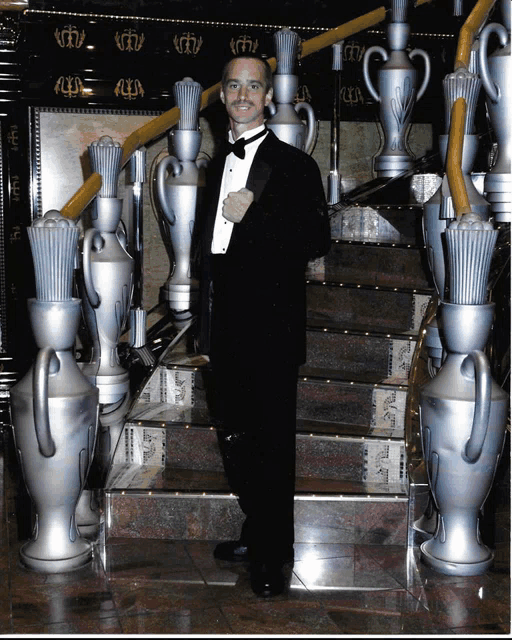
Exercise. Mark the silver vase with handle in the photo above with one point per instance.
(54, 407)
(397, 92)
(179, 183)
(463, 411)
(285, 120)
(107, 277)
(496, 73)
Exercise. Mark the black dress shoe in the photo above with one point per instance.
(267, 579)
(233, 551)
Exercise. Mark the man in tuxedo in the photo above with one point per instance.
(265, 217)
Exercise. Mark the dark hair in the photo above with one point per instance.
(267, 71)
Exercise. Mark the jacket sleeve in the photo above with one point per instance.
(290, 218)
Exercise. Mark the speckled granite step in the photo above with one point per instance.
(160, 502)
(373, 264)
(381, 308)
(321, 453)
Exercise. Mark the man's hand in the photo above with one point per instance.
(236, 204)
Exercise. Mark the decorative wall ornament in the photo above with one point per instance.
(69, 86)
(243, 44)
(353, 51)
(129, 88)
(188, 43)
(351, 96)
(129, 40)
(15, 188)
(69, 37)
(303, 94)
(13, 137)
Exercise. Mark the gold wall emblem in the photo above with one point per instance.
(303, 94)
(353, 51)
(15, 188)
(129, 40)
(244, 44)
(69, 86)
(351, 96)
(13, 137)
(69, 37)
(188, 43)
(129, 88)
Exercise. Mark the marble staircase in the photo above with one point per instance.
(366, 301)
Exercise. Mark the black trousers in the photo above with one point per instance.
(256, 405)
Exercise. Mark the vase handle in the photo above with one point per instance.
(309, 144)
(426, 78)
(366, 75)
(477, 366)
(44, 359)
(492, 90)
(161, 175)
(92, 294)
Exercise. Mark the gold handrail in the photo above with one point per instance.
(159, 125)
(468, 30)
(458, 113)
(454, 155)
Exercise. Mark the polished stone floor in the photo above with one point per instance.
(135, 586)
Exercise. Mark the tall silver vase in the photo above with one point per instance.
(54, 410)
(463, 415)
(179, 182)
(397, 92)
(107, 279)
(496, 71)
(285, 120)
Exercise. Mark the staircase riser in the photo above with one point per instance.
(380, 407)
(374, 309)
(383, 409)
(371, 265)
(317, 457)
(356, 354)
(368, 224)
(220, 518)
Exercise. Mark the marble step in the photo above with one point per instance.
(373, 264)
(376, 308)
(356, 351)
(378, 223)
(142, 501)
(365, 399)
(322, 453)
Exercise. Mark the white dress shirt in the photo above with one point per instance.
(234, 178)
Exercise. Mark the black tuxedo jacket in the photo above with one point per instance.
(253, 298)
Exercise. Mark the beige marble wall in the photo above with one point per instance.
(359, 143)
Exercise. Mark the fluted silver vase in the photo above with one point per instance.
(463, 411)
(54, 407)
(107, 283)
(179, 182)
(397, 92)
(285, 120)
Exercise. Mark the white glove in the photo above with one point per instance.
(236, 204)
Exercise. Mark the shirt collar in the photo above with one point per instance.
(247, 134)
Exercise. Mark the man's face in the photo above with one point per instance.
(244, 94)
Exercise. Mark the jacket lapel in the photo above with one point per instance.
(261, 168)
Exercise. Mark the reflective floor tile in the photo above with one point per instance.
(94, 626)
(147, 560)
(461, 605)
(279, 617)
(358, 571)
(137, 598)
(186, 621)
(310, 551)
(378, 612)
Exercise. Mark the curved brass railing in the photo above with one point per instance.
(454, 174)
(159, 125)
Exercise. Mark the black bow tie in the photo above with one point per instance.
(238, 148)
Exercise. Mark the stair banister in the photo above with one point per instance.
(475, 20)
